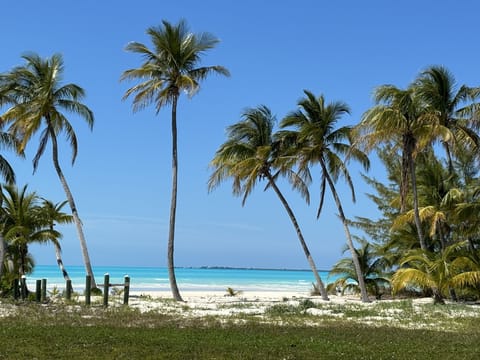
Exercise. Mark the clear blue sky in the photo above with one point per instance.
(274, 50)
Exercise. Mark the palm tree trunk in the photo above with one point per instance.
(418, 222)
(319, 281)
(356, 262)
(73, 207)
(173, 207)
(58, 255)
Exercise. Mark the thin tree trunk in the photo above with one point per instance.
(173, 207)
(418, 223)
(58, 255)
(356, 262)
(73, 207)
(319, 281)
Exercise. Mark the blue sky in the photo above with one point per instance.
(121, 180)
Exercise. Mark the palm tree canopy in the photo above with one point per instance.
(454, 108)
(251, 153)
(171, 66)
(38, 98)
(317, 140)
(24, 220)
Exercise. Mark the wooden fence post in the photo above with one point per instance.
(106, 285)
(43, 297)
(16, 291)
(68, 289)
(23, 286)
(88, 289)
(38, 290)
(126, 290)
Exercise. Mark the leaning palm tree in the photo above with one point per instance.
(170, 67)
(397, 118)
(38, 100)
(453, 108)
(317, 141)
(53, 215)
(251, 154)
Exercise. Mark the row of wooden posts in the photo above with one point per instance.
(20, 289)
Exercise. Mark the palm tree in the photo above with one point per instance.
(170, 68)
(318, 142)
(54, 215)
(251, 154)
(39, 99)
(454, 109)
(437, 271)
(373, 270)
(397, 118)
(24, 224)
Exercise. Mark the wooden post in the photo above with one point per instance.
(16, 291)
(68, 289)
(43, 297)
(106, 284)
(88, 289)
(126, 290)
(38, 290)
(23, 286)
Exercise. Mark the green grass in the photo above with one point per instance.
(73, 332)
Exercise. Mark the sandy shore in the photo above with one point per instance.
(219, 303)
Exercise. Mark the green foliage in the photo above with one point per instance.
(83, 332)
(233, 292)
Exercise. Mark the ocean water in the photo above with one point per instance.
(202, 279)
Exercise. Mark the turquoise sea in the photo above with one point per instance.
(204, 279)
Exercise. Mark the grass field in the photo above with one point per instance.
(30, 331)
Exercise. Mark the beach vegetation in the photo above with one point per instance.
(373, 269)
(26, 220)
(170, 67)
(440, 272)
(232, 292)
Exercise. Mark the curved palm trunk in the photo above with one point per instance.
(173, 207)
(58, 255)
(319, 281)
(73, 207)
(356, 262)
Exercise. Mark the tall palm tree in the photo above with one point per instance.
(454, 109)
(397, 118)
(170, 67)
(251, 154)
(38, 100)
(319, 142)
(53, 215)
